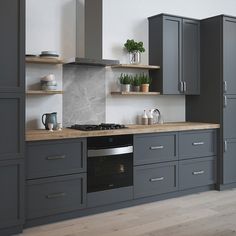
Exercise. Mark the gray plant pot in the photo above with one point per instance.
(136, 88)
(125, 87)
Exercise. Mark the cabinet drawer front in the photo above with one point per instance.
(154, 148)
(53, 158)
(199, 172)
(55, 195)
(155, 179)
(197, 144)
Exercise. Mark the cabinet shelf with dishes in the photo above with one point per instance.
(41, 60)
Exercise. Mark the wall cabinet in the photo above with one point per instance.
(174, 44)
(217, 102)
(12, 106)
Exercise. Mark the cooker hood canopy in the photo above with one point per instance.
(92, 36)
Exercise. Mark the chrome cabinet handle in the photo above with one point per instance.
(225, 87)
(55, 195)
(157, 147)
(185, 86)
(198, 143)
(225, 101)
(225, 146)
(53, 158)
(110, 151)
(156, 179)
(198, 172)
(181, 86)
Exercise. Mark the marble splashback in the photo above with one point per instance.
(84, 99)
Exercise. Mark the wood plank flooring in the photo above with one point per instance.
(204, 214)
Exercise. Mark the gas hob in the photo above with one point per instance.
(103, 126)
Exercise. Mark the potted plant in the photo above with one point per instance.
(136, 82)
(134, 49)
(125, 81)
(145, 82)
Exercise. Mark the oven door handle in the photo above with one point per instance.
(110, 151)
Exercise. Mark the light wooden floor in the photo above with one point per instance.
(204, 214)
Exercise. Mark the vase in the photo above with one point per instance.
(135, 58)
(125, 87)
(145, 88)
(136, 88)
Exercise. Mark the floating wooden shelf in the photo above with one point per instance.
(40, 60)
(130, 66)
(42, 92)
(135, 93)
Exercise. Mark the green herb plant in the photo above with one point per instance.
(136, 80)
(145, 79)
(133, 46)
(125, 79)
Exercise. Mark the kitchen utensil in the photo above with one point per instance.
(50, 118)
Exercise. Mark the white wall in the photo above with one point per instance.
(50, 25)
(125, 19)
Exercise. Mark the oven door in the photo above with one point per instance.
(109, 168)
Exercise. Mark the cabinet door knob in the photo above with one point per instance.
(201, 172)
(156, 179)
(225, 146)
(185, 86)
(225, 88)
(157, 147)
(181, 86)
(225, 101)
(198, 143)
(53, 158)
(56, 195)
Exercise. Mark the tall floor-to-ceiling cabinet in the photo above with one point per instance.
(217, 101)
(12, 40)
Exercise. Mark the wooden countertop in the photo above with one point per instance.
(39, 135)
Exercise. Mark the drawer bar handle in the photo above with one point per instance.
(55, 195)
(198, 143)
(157, 147)
(201, 172)
(157, 179)
(53, 158)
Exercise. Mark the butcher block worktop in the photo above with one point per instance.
(66, 133)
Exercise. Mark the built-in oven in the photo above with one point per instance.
(109, 162)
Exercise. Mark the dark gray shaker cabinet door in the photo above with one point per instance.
(229, 117)
(191, 56)
(11, 201)
(172, 54)
(229, 162)
(229, 55)
(12, 50)
(51, 158)
(12, 126)
(54, 195)
(153, 148)
(155, 179)
(197, 144)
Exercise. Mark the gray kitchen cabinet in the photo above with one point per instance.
(52, 158)
(45, 197)
(229, 162)
(12, 45)
(12, 106)
(216, 104)
(154, 148)
(155, 179)
(194, 144)
(174, 44)
(11, 197)
(197, 172)
(229, 115)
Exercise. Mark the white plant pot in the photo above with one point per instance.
(125, 87)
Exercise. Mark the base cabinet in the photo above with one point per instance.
(55, 195)
(11, 197)
(155, 179)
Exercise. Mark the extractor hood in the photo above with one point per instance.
(92, 35)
